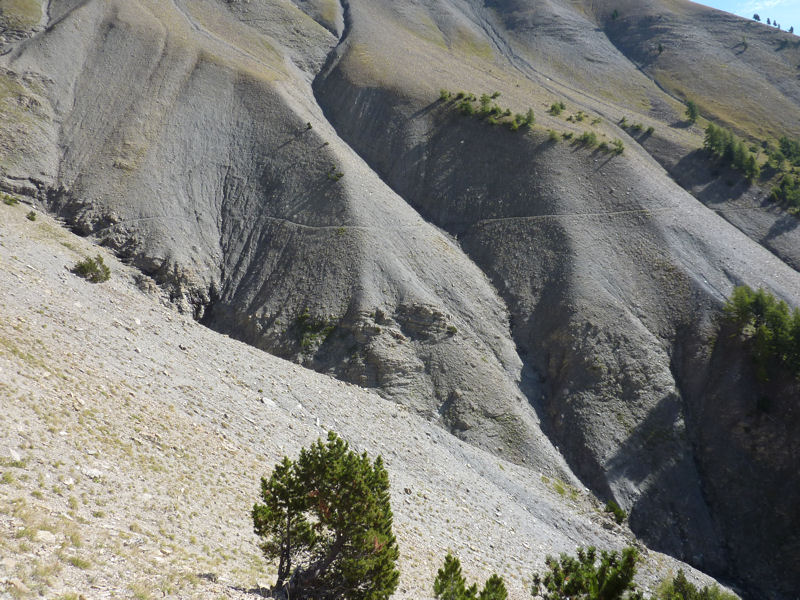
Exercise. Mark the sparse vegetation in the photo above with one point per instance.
(614, 509)
(334, 174)
(773, 330)
(787, 192)
(312, 330)
(326, 519)
(94, 269)
(726, 146)
(8, 200)
(491, 112)
(680, 588)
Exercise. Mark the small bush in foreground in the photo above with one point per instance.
(584, 577)
(94, 269)
(451, 585)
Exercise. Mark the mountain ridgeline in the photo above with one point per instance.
(293, 175)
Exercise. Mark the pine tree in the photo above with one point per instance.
(692, 112)
(580, 578)
(751, 169)
(494, 589)
(485, 103)
(281, 521)
(529, 118)
(326, 518)
(451, 585)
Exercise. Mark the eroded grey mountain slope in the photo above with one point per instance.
(556, 295)
(207, 175)
(609, 269)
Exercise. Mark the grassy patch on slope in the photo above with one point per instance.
(20, 14)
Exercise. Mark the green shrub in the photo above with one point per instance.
(557, 108)
(334, 174)
(618, 146)
(530, 119)
(8, 200)
(790, 149)
(466, 108)
(588, 138)
(312, 330)
(485, 102)
(552, 135)
(326, 519)
(444, 95)
(726, 146)
(619, 514)
(787, 192)
(584, 578)
(680, 588)
(94, 269)
(692, 111)
(31, 216)
(451, 585)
